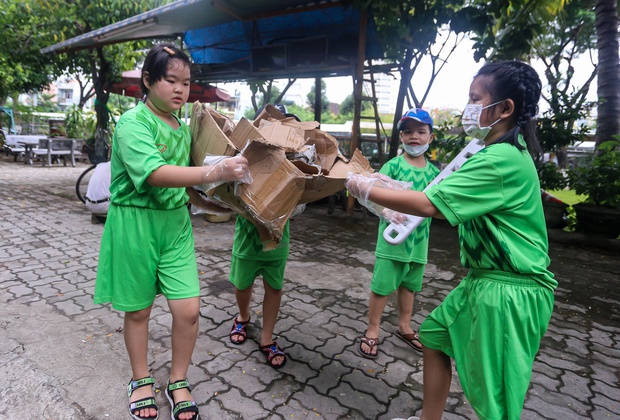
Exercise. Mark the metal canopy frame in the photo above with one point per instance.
(187, 18)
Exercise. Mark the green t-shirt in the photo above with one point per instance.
(495, 199)
(247, 244)
(142, 143)
(415, 247)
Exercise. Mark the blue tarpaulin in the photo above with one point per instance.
(234, 41)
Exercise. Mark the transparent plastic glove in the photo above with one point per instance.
(393, 216)
(359, 186)
(387, 182)
(220, 169)
(227, 169)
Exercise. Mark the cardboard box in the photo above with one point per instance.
(208, 136)
(279, 184)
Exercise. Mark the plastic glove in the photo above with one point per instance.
(393, 216)
(387, 182)
(359, 186)
(227, 169)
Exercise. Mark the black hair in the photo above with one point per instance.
(517, 81)
(157, 61)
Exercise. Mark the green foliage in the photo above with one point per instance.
(80, 124)
(551, 177)
(324, 99)
(447, 144)
(600, 178)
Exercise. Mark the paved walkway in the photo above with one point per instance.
(61, 357)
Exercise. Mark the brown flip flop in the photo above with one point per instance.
(412, 339)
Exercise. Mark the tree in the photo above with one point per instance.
(103, 65)
(409, 32)
(266, 92)
(570, 36)
(22, 67)
(324, 100)
(608, 120)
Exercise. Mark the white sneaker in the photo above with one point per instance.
(410, 418)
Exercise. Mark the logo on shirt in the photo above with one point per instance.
(161, 147)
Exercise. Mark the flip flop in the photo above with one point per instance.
(410, 339)
(370, 342)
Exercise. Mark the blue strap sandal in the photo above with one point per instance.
(143, 403)
(183, 406)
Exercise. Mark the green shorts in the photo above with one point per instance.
(388, 275)
(243, 272)
(145, 252)
(491, 324)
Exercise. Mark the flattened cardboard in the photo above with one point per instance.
(321, 186)
(245, 132)
(276, 189)
(326, 148)
(288, 137)
(268, 111)
(207, 137)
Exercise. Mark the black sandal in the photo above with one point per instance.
(148, 402)
(183, 406)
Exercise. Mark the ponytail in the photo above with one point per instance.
(520, 82)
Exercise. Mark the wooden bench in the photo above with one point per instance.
(56, 148)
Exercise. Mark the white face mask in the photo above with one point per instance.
(471, 120)
(415, 151)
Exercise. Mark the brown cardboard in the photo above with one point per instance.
(321, 186)
(288, 137)
(207, 137)
(279, 184)
(326, 148)
(268, 111)
(276, 187)
(244, 132)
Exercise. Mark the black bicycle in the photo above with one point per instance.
(81, 185)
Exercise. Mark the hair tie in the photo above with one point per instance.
(169, 51)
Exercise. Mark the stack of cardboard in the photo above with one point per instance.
(290, 162)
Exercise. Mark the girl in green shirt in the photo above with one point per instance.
(147, 247)
(492, 323)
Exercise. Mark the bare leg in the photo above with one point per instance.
(136, 334)
(271, 307)
(405, 309)
(184, 333)
(437, 377)
(376, 305)
(243, 298)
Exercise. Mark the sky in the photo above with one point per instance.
(450, 88)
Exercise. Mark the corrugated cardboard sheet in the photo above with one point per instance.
(279, 184)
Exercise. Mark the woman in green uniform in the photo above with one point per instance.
(492, 323)
(147, 247)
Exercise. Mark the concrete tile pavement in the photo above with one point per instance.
(64, 357)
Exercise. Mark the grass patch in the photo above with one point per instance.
(570, 197)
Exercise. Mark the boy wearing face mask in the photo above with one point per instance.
(400, 268)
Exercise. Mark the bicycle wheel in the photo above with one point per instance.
(82, 183)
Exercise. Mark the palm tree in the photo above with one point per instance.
(608, 119)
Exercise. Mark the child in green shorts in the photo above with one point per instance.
(147, 247)
(248, 262)
(492, 323)
(400, 268)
